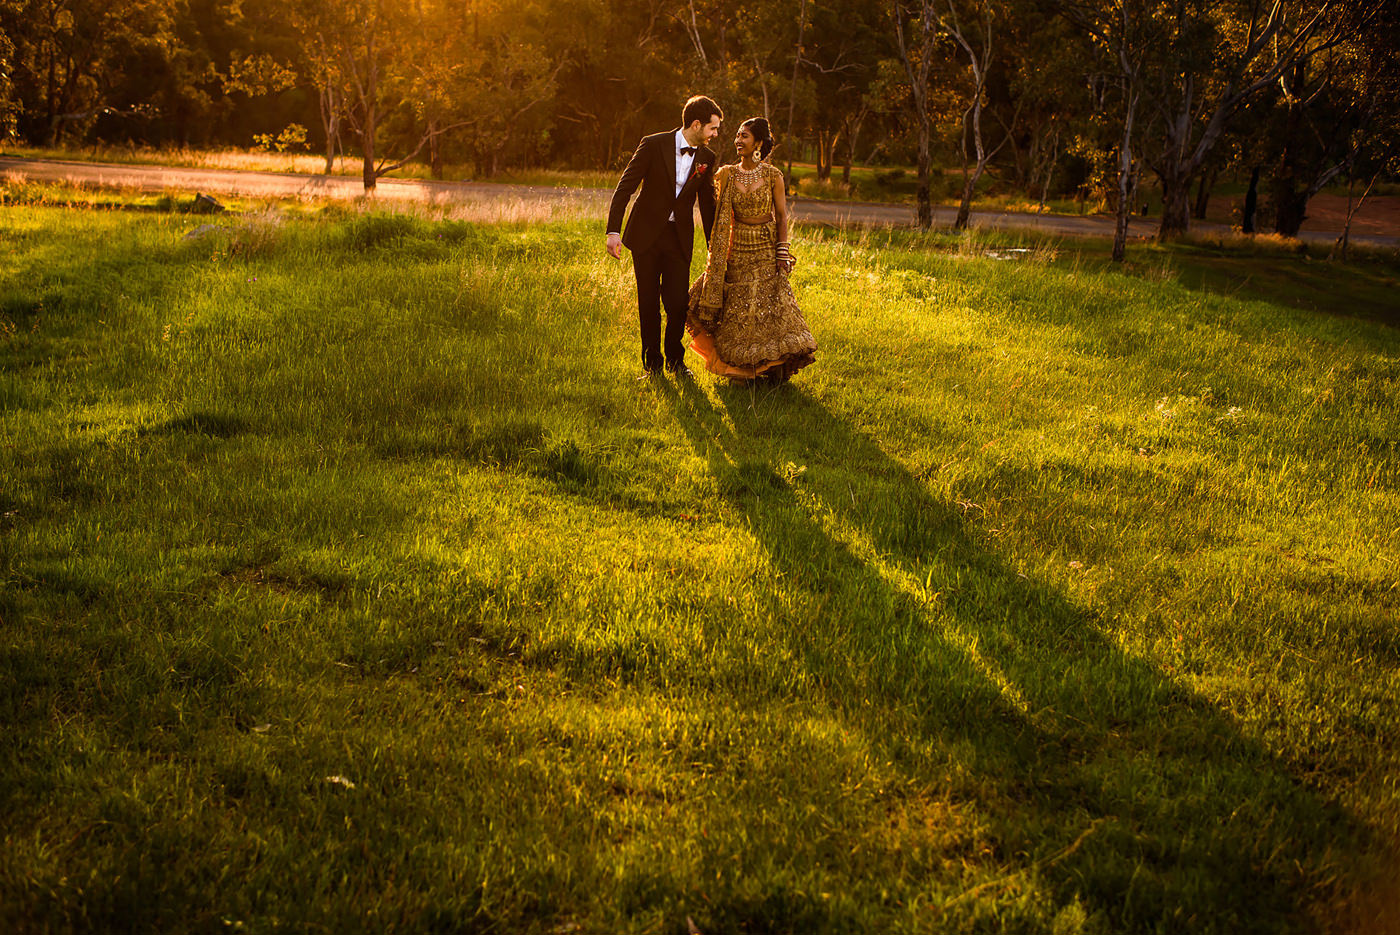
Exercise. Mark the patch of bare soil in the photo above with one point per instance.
(1378, 217)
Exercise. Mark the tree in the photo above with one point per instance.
(490, 77)
(362, 53)
(973, 33)
(1125, 33)
(625, 67)
(1212, 59)
(845, 41)
(69, 56)
(1045, 66)
(322, 67)
(917, 60)
(9, 103)
(1332, 102)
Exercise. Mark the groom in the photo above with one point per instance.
(675, 170)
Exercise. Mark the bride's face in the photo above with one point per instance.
(744, 143)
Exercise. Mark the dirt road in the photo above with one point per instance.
(416, 191)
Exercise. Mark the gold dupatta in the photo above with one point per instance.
(712, 288)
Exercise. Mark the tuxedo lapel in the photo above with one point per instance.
(670, 160)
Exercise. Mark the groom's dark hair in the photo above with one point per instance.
(700, 108)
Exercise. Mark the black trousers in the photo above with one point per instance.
(663, 279)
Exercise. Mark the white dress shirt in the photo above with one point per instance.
(683, 164)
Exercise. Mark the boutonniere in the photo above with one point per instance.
(700, 170)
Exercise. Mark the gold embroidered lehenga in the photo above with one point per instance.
(743, 318)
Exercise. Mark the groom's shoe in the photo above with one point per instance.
(680, 371)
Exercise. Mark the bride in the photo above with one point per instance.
(743, 318)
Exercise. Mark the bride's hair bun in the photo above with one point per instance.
(758, 126)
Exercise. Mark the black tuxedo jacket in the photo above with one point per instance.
(653, 167)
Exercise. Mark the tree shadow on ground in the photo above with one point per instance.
(1101, 776)
(1302, 279)
(1359, 290)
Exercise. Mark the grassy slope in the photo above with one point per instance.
(1054, 598)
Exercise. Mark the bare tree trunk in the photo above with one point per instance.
(1290, 211)
(1203, 190)
(970, 180)
(853, 125)
(371, 177)
(330, 122)
(434, 149)
(51, 98)
(965, 205)
(1025, 162)
(369, 108)
(792, 91)
(918, 84)
(367, 86)
(979, 67)
(924, 203)
(762, 83)
(1290, 205)
(1176, 213)
(1251, 203)
(1049, 169)
(826, 152)
(692, 31)
(1339, 249)
(1125, 178)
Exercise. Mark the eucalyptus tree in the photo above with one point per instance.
(974, 26)
(625, 69)
(362, 41)
(1212, 59)
(916, 38)
(69, 59)
(362, 55)
(9, 103)
(319, 59)
(1381, 158)
(1333, 105)
(1048, 72)
(1125, 34)
(489, 79)
(845, 41)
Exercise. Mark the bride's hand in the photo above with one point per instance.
(785, 260)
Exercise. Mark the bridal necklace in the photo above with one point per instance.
(748, 177)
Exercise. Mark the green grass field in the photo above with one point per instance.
(350, 580)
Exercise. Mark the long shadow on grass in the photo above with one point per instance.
(1363, 290)
(1102, 778)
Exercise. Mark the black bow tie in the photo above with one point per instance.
(687, 150)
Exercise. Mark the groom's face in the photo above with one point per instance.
(703, 134)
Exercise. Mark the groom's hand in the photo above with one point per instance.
(615, 246)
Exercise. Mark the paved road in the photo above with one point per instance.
(416, 191)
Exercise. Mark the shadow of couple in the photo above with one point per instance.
(1105, 777)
